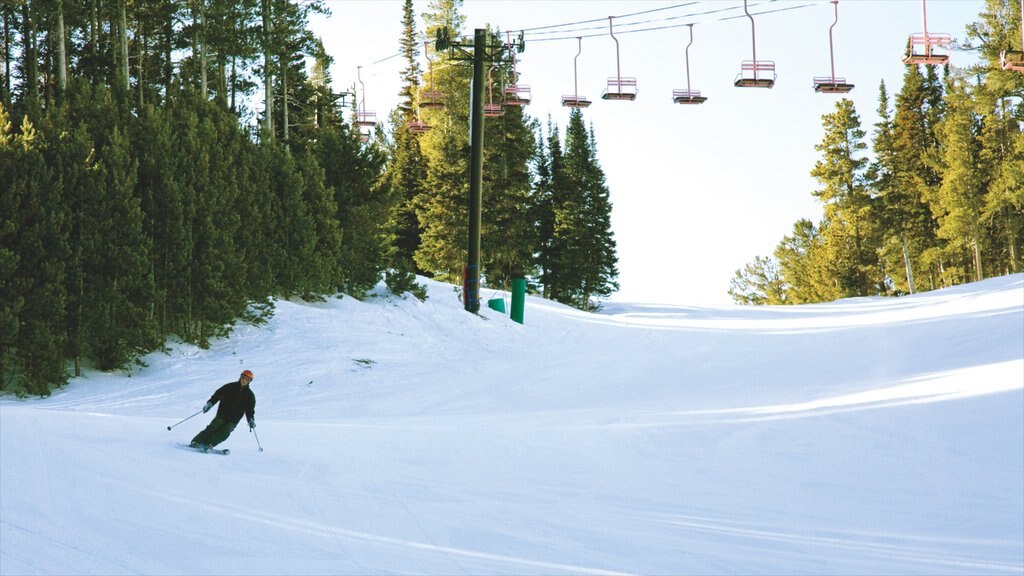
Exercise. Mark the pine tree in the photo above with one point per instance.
(403, 180)
(12, 298)
(550, 194)
(118, 279)
(848, 237)
(759, 283)
(164, 205)
(508, 235)
(351, 172)
(1002, 157)
(960, 200)
(804, 266)
(583, 246)
(34, 227)
(901, 148)
(443, 214)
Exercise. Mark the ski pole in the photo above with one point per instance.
(253, 430)
(192, 416)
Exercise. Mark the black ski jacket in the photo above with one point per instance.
(234, 402)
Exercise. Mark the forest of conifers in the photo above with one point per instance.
(169, 167)
(936, 197)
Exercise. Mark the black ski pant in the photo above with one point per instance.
(217, 432)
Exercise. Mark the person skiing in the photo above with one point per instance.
(236, 399)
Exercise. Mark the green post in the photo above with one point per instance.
(471, 300)
(518, 298)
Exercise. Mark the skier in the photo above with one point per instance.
(235, 400)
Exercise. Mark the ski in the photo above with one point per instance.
(221, 451)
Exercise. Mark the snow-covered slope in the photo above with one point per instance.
(866, 436)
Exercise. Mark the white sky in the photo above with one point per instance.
(698, 191)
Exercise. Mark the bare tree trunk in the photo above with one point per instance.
(284, 90)
(124, 46)
(62, 55)
(906, 263)
(6, 96)
(142, 51)
(202, 48)
(978, 276)
(268, 95)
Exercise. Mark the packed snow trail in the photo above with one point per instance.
(861, 437)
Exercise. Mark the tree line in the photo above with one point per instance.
(938, 201)
(143, 196)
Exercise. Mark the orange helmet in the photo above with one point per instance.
(247, 374)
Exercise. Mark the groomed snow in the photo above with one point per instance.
(867, 436)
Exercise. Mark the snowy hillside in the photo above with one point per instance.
(868, 436)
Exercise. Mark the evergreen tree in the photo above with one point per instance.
(549, 192)
(804, 266)
(403, 180)
(584, 248)
(1002, 157)
(165, 206)
(34, 227)
(906, 217)
(960, 200)
(118, 278)
(758, 283)
(508, 235)
(351, 172)
(444, 214)
(849, 237)
(12, 298)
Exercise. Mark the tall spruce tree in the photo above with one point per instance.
(508, 234)
(584, 245)
(403, 180)
(849, 237)
(118, 279)
(960, 200)
(34, 228)
(550, 190)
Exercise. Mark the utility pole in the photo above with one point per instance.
(481, 54)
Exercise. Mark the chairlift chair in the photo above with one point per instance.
(755, 73)
(1014, 59)
(418, 126)
(832, 84)
(619, 87)
(492, 110)
(516, 94)
(574, 100)
(431, 99)
(364, 118)
(688, 96)
(927, 48)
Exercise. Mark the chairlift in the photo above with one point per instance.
(516, 94)
(927, 48)
(418, 126)
(430, 99)
(364, 118)
(1014, 59)
(832, 84)
(619, 88)
(492, 110)
(755, 73)
(688, 96)
(574, 100)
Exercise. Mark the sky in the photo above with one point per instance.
(864, 436)
(697, 191)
